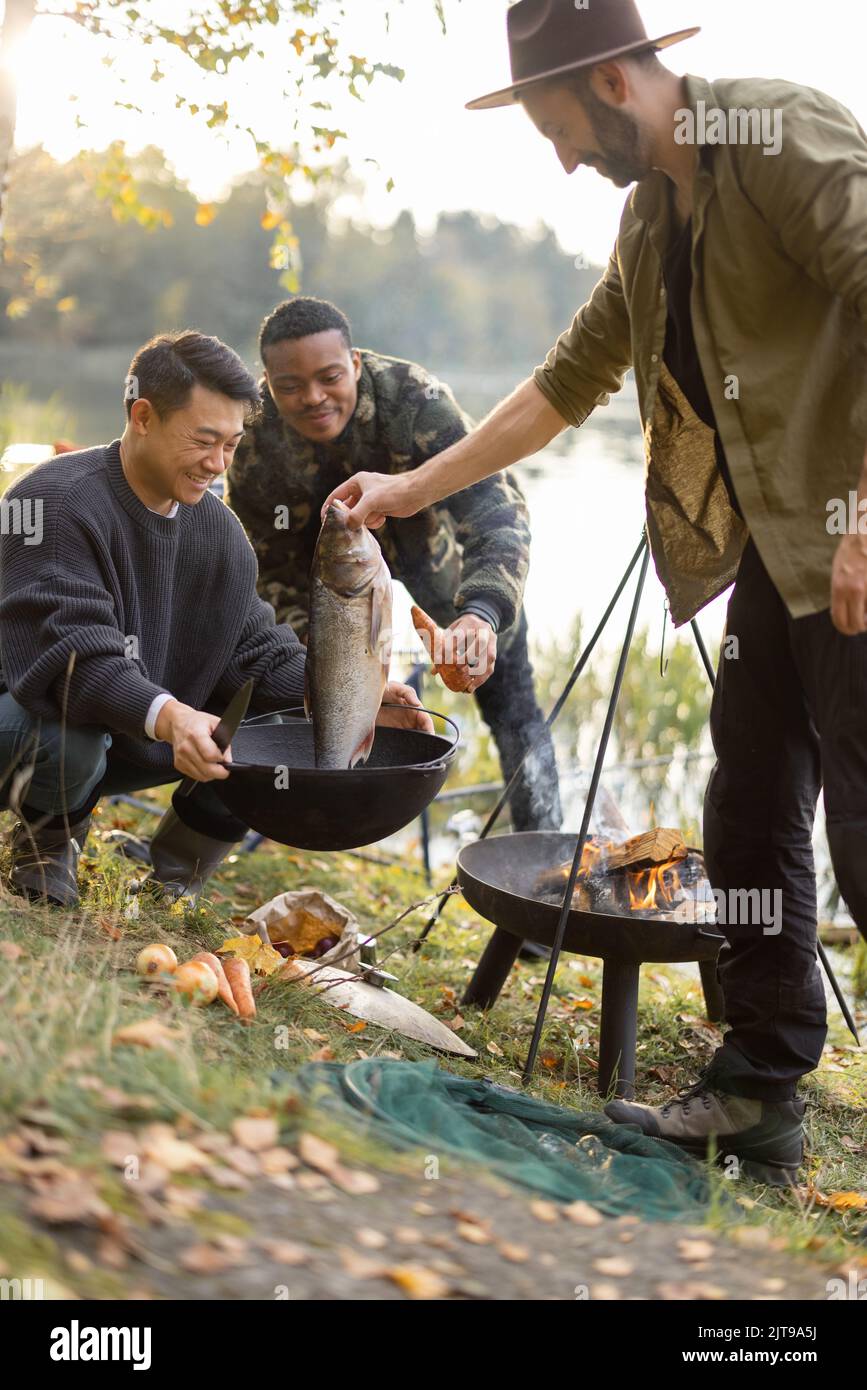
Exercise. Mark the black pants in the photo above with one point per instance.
(509, 707)
(789, 714)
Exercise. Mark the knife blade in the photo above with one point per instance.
(225, 730)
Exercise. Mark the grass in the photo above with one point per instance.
(74, 984)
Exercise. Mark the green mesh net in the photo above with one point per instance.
(563, 1154)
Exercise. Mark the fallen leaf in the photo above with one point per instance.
(324, 1054)
(354, 1181)
(694, 1251)
(371, 1239)
(42, 1143)
(418, 1282)
(494, 1050)
(544, 1211)
(255, 1132)
(262, 959)
(473, 1234)
(751, 1237)
(277, 1160)
(118, 1146)
(318, 1153)
(606, 1293)
(694, 1289)
(110, 927)
(161, 1145)
(209, 1259)
(69, 1201)
(361, 1266)
(148, 1032)
(407, 1235)
(843, 1201)
(456, 1023)
(615, 1266)
(583, 1214)
(285, 1252)
(516, 1254)
(227, 1178)
(249, 1165)
(10, 950)
(312, 1034)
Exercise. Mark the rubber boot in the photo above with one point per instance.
(45, 861)
(182, 859)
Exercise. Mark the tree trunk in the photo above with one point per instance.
(18, 18)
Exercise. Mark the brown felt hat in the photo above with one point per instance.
(549, 38)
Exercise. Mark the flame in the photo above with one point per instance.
(654, 888)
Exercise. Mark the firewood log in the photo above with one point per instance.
(643, 851)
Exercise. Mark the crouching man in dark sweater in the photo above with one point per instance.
(129, 617)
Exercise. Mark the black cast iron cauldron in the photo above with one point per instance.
(276, 789)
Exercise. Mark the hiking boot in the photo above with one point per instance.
(183, 860)
(766, 1136)
(45, 861)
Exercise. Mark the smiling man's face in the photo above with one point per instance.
(178, 457)
(588, 130)
(314, 383)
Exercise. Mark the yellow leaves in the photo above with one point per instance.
(205, 214)
(270, 219)
(262, 959)
(18, 307)
(67, 304)
(418, 1282)
(841, 1201)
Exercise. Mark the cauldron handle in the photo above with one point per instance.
(299, 710)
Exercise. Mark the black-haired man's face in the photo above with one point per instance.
(314, 383)
(177, 458)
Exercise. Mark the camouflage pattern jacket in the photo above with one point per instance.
(469, 553)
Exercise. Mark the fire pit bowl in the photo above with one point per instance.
(276, 789)
(497, 877)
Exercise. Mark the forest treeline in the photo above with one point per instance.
(473, 293)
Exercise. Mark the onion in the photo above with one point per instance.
(156, 960)
(197, 982)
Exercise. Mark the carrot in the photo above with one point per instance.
(433, 637)
(238, 975)
(223, 987)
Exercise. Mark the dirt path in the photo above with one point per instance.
(451, 1238)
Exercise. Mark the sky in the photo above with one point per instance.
(441, 157)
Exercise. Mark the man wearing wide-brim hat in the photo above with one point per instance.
(737, 291)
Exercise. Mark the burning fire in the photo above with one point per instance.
(654, 888)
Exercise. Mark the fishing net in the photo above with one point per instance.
(562, 1154)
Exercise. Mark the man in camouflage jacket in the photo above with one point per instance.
(330, 411)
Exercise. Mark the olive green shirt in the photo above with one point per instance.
(779, 308)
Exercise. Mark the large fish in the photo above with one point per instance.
(349, 646)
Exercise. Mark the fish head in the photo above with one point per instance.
(347, 559)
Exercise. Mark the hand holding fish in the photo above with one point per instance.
(410, 715)
(372, 497)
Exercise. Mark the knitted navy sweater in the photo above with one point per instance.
(139, 603)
